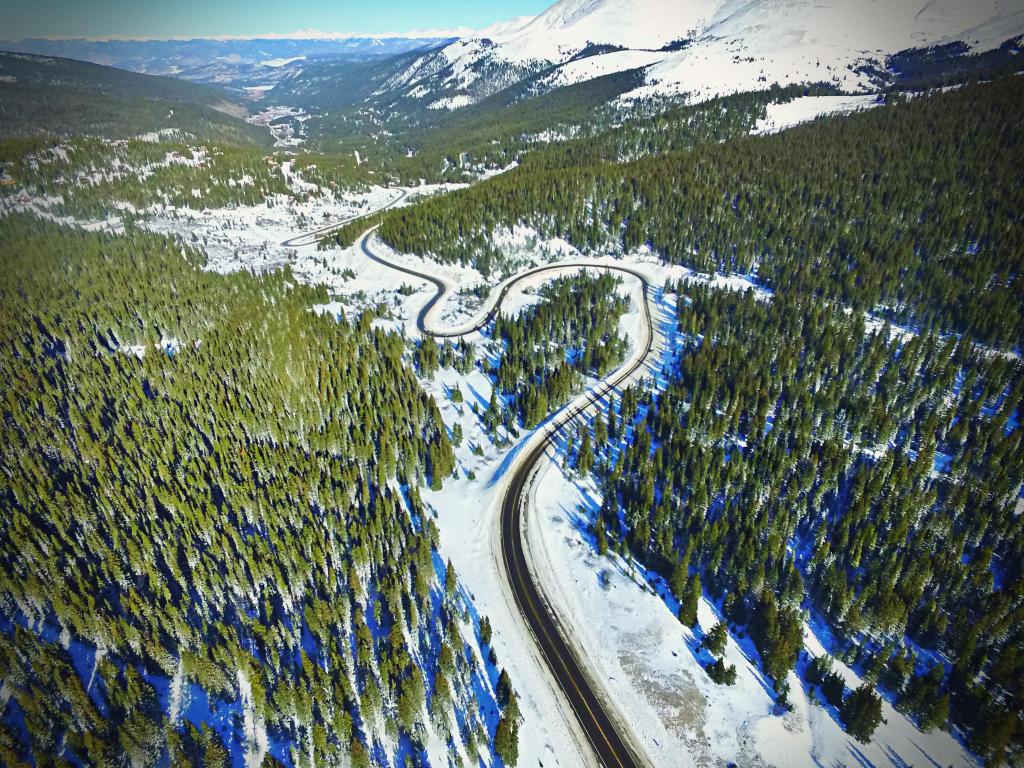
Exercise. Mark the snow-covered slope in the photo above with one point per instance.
(569, 26)
(705, 47)
(751, 44)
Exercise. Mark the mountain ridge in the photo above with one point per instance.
(57, 96)
(707, 48)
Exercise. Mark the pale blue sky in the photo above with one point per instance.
(197, 18)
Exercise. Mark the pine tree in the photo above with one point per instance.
(677, 580)
(833, 688)
(937, 714)
(504, 688)
(411, 700)
(451, 583)
(716, 639)
(506, 740)
(861, 713)
(720, 673)
(585, 458)
(600, 535)
(689, 600)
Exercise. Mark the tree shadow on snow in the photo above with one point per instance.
(895, 758)
(859, 756)
(927, 757)
(481, 401)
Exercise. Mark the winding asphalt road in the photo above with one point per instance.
(605, 735)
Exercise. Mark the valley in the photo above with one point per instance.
(619, 384)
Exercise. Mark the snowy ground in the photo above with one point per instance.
(466, 510)
(356, 282)
(286, 124)
(806, 108)
(250, 237)
(651, 663)
(40, 206)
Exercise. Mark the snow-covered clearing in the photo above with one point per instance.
(250, 237)
(40, 206)
(873, 324)
(590, 67)
(174, 695)
(281, 61)
(164, 134)
(253, 237)
(806, 108)
(286, 124)
(255, 730)
(452, 102)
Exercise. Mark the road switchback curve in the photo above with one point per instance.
(605, 734)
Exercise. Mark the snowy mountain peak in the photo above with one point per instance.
(504, 28)
(704, 48)
(569, 26)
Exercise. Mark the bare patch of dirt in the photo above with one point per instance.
(680, 705)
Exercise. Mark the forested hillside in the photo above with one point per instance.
(570, 126)
(213, 546)
(798, 459)
(913, 209)
(574, 126)
(60, 97)
(572, 333)
(95, 179)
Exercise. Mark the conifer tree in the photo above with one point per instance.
(716, 639)
(862, 713)
(689, 600)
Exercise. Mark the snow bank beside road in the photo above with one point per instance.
(651, 666)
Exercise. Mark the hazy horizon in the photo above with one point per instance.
(149, 20)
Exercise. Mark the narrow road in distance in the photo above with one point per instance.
(314, 236)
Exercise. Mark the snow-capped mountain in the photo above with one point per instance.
(750, 44)
(702, 47)
(570, 26)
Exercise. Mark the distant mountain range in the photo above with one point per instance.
(655, 49)
(238, 63)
